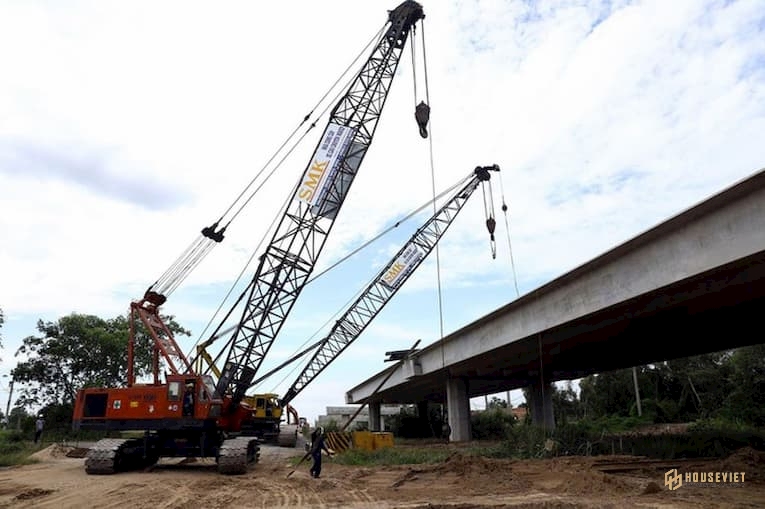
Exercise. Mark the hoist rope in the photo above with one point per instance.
(433, 187)
(414, 64)
(488, 212)
(181, 266)
(236, 282)
(284, 206)
(200, 248)
(507, 231)
(278, 215)
(324, 111)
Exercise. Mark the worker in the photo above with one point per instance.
(188, 400)
(39, 423)
(317, 446)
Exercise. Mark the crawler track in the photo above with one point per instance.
(237, 454)
(111, 455)
(287, 436)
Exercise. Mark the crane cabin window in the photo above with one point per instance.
(174, 391)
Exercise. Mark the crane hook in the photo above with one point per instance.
(491, 225)
(422, 116)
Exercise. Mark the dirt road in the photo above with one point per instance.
(460, 482)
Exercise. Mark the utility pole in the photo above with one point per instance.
(637, 391)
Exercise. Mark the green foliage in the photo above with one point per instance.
(14, 449)
(331, 426)
(729, 384)
(497, 403)
(707, 439)
(610, 424)
(78, 351)
(745, 400)
(566, 404)
(492, 424)
(392, 456)
(722, 425)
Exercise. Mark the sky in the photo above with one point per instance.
(126, 127)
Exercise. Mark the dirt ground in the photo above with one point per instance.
(460, 482)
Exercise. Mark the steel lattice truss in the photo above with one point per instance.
(378, 293)
(291, 256)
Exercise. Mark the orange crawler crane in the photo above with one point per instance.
(190, 414)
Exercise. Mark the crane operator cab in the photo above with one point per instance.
(188, 399)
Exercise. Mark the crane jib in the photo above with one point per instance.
(300, 235)
(385, 285)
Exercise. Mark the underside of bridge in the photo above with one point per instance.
(717, 310)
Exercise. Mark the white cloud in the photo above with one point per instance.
(139, 127)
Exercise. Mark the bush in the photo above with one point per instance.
(331, 426)
(11, 436)
(703, 439)
(493, 424)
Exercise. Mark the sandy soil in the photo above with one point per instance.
(460, 482)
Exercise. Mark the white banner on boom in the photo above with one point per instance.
(402, 266)
(325, 163)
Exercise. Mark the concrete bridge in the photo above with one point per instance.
(691, 285)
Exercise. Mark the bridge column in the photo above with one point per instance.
(458, 409)
(541, 405)
(374, 416)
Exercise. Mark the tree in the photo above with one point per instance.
(746, 400)
(496, 402)
(566, 404)
(2, 321)
(78, 351)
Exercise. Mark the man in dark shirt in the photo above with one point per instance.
(317, 446)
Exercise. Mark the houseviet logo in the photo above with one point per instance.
(674, 479)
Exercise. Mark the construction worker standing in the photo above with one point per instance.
(317, 446)
(39, 423)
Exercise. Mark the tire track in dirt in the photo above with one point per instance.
(461, 482)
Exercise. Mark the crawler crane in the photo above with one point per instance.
(189, 414)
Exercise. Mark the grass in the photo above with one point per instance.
(14, 450)
(392, 456)
(396, 455)
(22, 457)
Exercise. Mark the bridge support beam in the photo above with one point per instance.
(541, 405)
(374, 416)
(458, 409)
